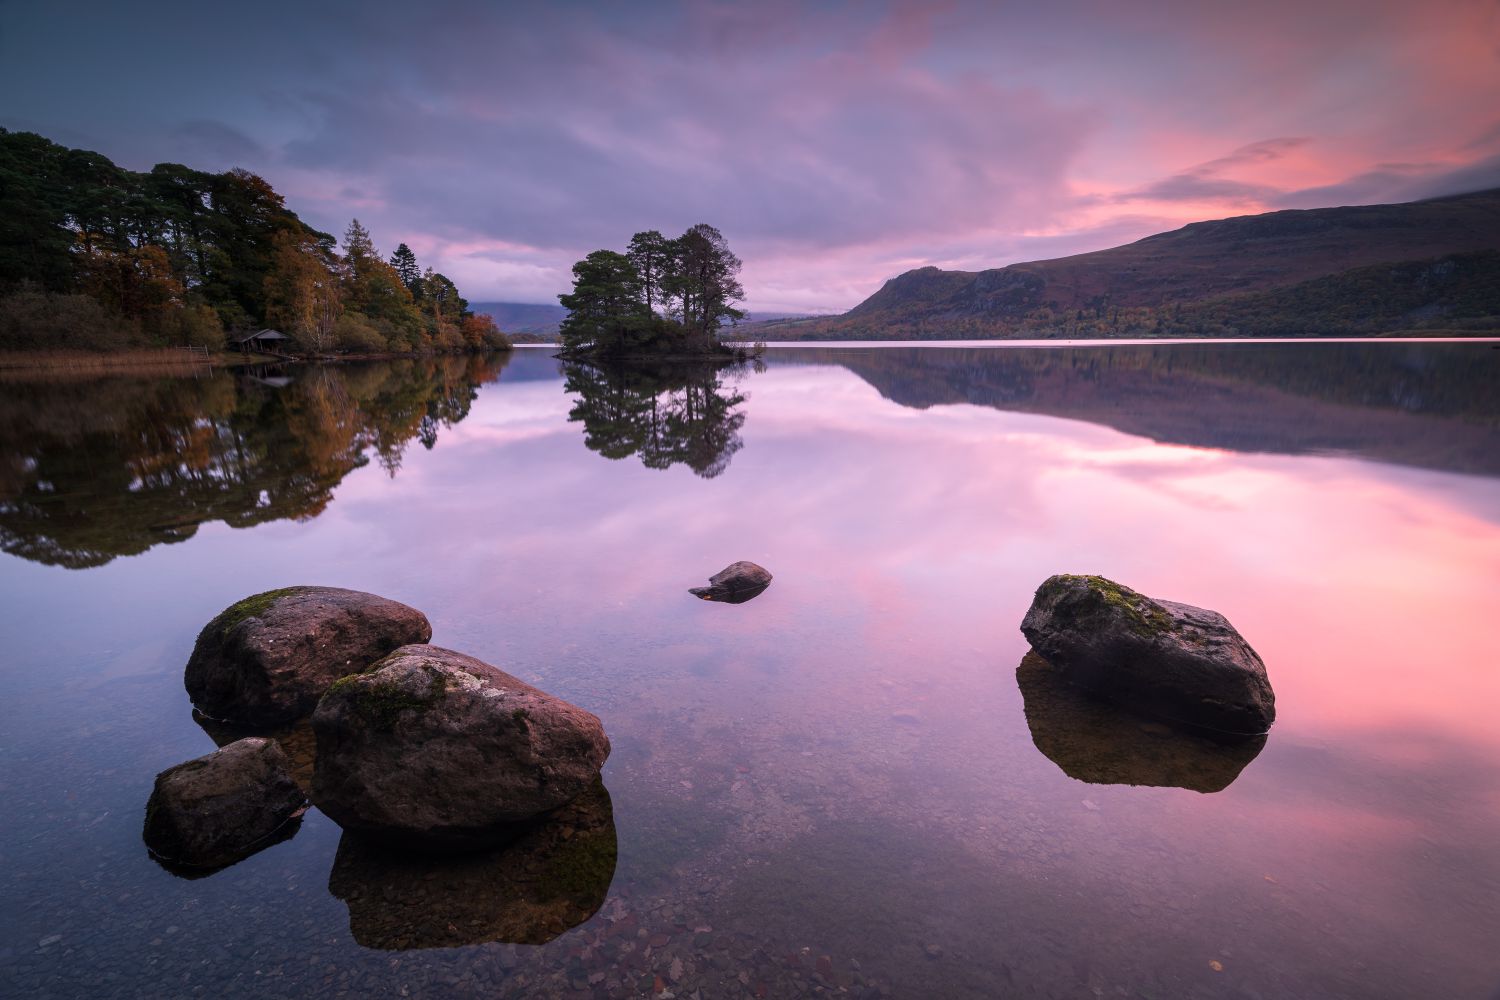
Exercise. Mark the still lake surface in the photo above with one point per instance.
(844, 786)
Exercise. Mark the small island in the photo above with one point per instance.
(661, 299)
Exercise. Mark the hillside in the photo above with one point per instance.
(1240, 276)
(523, 317)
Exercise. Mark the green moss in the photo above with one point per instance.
(251, 607)
(1146, 617)
(380, 704)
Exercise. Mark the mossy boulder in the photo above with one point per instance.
(436, 750)
(220, 808)
(735, 583)
(267, 660)
(551, 878)
(1170, 661)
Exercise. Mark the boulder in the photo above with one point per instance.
(1167, 660)
(220, 808)
(269, 658)
(437, 750)
(735, 584)
(552, 878)
(1103, 744)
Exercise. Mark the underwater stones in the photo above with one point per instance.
(1170, 661)
(553, 877)
(220, 808)
(1100, 743)
(440, 751)
(735, 584)
(269, 658)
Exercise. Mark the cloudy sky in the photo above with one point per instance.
(834, 144)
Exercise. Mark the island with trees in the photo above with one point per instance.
(661, 299)
(95, 257)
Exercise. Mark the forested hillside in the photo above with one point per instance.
(99, 257)
(1429, 265)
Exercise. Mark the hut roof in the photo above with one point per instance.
(263, 335)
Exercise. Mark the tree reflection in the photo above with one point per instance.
(97, 469)
(667, 414)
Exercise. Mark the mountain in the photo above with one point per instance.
(535, 323)
(523, 317)
(1366, 269)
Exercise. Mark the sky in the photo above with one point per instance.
(834, 144)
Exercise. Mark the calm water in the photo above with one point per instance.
(845, 784)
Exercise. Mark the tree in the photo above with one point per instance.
(705, 280)
(302, 291)
(405, 263)
(604, 301)
(651, 253)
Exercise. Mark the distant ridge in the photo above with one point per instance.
(541, 320)
(1422, 265)
(523, 317)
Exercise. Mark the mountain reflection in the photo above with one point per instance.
(97, 469)
(553, 878)
(1096, 742)
(667, 414)
(1432, 406)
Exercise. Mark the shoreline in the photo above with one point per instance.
(173, 360)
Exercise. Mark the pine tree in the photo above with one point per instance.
(405, 263)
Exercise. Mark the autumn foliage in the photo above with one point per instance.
(97, 257)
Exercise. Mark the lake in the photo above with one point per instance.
(847, 786)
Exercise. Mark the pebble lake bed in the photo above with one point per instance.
(857, 783)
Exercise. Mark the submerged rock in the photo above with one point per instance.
(269, 658)
(1103, 744)
(438, 750)
(220, 808)
(295, 739)
(735, 584)
(553, 877)
(1171, 661)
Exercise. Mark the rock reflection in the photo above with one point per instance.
(284, 832)
(551, 879)
(1099, 743)
(667, 414)
(95, 469)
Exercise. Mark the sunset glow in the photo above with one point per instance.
(835, 144)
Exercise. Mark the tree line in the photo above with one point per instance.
(95, 256)
(660, 297)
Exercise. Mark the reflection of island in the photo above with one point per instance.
(1096, 742)
(666, 414)
(92, 470)
(553, 878)
(1428, 405)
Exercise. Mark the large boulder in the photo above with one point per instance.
(735, 583)
(217, 809)
(1171, 661)
(437, 750)
(269, 658)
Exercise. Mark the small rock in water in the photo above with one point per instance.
(735, 584)
(934, 951)
(222, 807)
